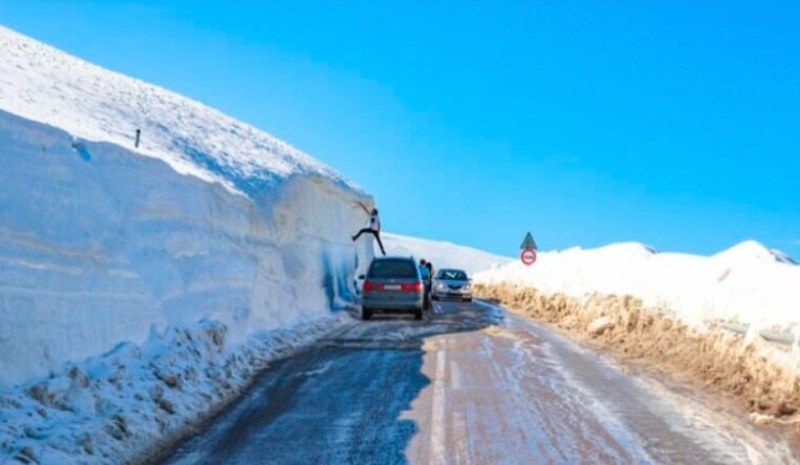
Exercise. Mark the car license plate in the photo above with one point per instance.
(392, 287)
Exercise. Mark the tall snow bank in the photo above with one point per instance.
(132, 404)
(747, 283)
(761, 376)
(101, 241)
(99, 245)
(142, 288)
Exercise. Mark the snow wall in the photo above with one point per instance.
(747, 283)
(100, 245)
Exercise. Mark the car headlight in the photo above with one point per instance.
(467, 287)
(441, 286)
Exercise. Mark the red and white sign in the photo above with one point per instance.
(528, 257)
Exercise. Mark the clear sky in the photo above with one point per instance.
(672, 123)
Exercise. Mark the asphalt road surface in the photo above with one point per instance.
(469, 384)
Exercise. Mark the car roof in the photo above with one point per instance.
(442, 270)
(384, 259)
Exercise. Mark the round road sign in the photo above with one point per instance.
(528, 256)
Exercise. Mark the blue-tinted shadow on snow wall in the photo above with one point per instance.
(336, 281)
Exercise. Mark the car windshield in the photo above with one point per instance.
(393, 269)
(455, 275)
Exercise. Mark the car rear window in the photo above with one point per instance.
(393, 269)
(456, 275)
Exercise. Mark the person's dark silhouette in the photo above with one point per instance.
(374, 227)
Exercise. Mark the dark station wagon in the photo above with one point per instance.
(392, 284)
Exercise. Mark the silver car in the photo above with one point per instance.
(392, 284)
(451, 283)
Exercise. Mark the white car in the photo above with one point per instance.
(451, 283)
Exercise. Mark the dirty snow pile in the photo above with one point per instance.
(443, 254)
(642, 305)
(747, 283)
(140, 287)
(133, 402)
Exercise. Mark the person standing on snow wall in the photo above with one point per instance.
(374, 227)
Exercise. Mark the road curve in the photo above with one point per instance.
(468, 385)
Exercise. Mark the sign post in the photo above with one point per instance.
(528, 255)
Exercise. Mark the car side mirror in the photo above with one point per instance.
(361, 276)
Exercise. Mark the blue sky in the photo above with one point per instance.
(676, 124)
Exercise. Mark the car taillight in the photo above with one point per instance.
(369, 286)
(416, 287)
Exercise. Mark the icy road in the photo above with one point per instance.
(469, 384)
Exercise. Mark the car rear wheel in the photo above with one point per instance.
(418, 313)
(366, 313)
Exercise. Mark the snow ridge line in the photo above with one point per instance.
(44, 84)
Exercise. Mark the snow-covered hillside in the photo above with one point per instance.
(748, 282)
(443, 254)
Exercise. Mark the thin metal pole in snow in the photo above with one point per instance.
(138, 134)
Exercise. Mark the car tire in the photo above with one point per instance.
(366, 314)
(434, 297)
(418, 313)
(468, 299)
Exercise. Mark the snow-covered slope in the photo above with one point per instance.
(748, 282)
(43, 84)
(443, 254)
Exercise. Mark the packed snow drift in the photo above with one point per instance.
(108, 247)
(100, 243)
(663, 309)
(747, 283)
(764, 377)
